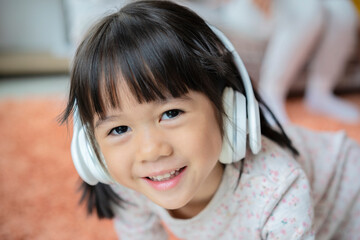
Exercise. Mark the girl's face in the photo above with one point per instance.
(167, 150)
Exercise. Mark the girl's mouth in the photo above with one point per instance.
(166, 176)
(167, 180)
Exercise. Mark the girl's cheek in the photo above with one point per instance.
(118, 162)
(108, 154)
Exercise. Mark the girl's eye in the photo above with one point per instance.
(173, 113)
(119, 130)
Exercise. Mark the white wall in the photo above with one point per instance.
(32, 26)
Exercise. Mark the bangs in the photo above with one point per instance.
(156, 58)
(151, 63)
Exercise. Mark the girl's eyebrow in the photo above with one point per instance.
(110, 118)
(182, 98)
(101, 121)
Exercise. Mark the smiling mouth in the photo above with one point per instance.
(166, 176)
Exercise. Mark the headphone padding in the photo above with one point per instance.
(86, 163)
(241, 124)
(234, 140)
(226, 151)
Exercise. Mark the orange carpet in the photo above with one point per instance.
(38, 198)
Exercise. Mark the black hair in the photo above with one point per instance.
(158, 49)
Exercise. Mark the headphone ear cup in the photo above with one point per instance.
(234, 140)
(86, 163)
(226, 151)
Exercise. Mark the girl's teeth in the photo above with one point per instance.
(166, 176)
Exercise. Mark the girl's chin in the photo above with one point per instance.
(172, 204)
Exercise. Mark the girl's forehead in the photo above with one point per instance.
(127, 96)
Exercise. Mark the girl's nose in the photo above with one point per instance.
(152, 146)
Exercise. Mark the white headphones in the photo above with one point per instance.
(235, 124)
(93, 170)
(85, 160)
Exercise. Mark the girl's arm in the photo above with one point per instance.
(289, 213)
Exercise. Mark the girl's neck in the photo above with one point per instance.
(202, 197)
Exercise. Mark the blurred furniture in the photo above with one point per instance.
(24, 64)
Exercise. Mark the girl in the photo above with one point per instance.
(163, 111)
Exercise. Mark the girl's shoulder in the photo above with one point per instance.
(272, 185)
(273, 163)
(319, 150)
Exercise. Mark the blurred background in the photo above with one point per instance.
(38, 183)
